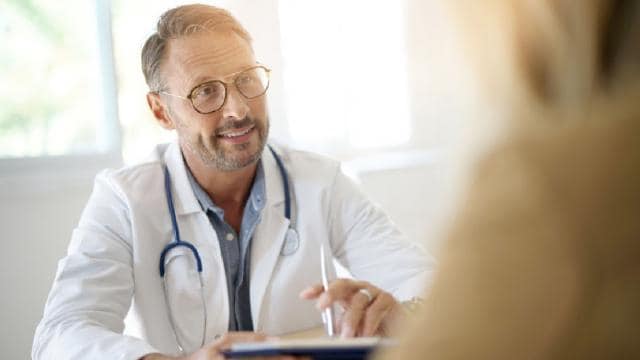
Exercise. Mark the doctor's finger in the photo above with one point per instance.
(312, 292)
(377, 313)
(343, 290)
(352, 318)
(338, 289)
(228, 339)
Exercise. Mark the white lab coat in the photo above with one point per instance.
(112, 265)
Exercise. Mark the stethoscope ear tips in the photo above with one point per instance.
(291, 242)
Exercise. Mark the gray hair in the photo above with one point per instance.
(178, 22)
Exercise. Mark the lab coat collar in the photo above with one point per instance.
(186, 201)
(273, 179)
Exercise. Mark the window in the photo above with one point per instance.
(58, 88)
(345, 74)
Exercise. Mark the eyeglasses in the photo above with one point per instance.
(210, 96)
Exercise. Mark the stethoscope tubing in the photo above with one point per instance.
(285, 184)
(176, 230)
(292, 235)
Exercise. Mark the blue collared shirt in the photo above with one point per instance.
(235, 248)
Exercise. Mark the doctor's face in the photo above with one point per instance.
(227, 135)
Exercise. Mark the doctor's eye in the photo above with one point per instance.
(207, 91)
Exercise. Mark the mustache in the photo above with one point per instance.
(235, 124)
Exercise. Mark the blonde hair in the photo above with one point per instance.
(179, 22)
(553, 53)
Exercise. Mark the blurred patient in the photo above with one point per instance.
(543, 259)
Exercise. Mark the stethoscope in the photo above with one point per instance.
(290, 246)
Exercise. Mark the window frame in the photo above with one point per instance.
(108, 149)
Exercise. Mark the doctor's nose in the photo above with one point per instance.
(235, 106)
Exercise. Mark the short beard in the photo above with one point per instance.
(218, 158)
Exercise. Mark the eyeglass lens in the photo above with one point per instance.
(211, 95)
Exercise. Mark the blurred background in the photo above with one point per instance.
(382, 85)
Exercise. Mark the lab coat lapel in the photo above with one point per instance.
(268, 237)
(184, 200)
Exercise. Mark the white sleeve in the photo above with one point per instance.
(371, 247)
(92, 291)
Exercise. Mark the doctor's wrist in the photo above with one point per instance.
(412, 306)
(403, 311)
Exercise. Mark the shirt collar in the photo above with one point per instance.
(256, 198)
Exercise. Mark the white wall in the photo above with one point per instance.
(40, 205)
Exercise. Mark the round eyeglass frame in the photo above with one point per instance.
(226, 89)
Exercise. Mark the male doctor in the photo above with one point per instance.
(216, 238)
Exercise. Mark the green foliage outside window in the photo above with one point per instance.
(49, 92)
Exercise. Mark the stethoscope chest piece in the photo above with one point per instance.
(291, 242)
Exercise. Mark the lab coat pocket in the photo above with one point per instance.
(185, 298)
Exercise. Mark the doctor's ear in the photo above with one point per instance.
(159, 110)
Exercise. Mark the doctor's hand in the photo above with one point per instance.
(369, 311)
(213, 350)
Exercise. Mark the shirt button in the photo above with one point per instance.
(230, 237)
